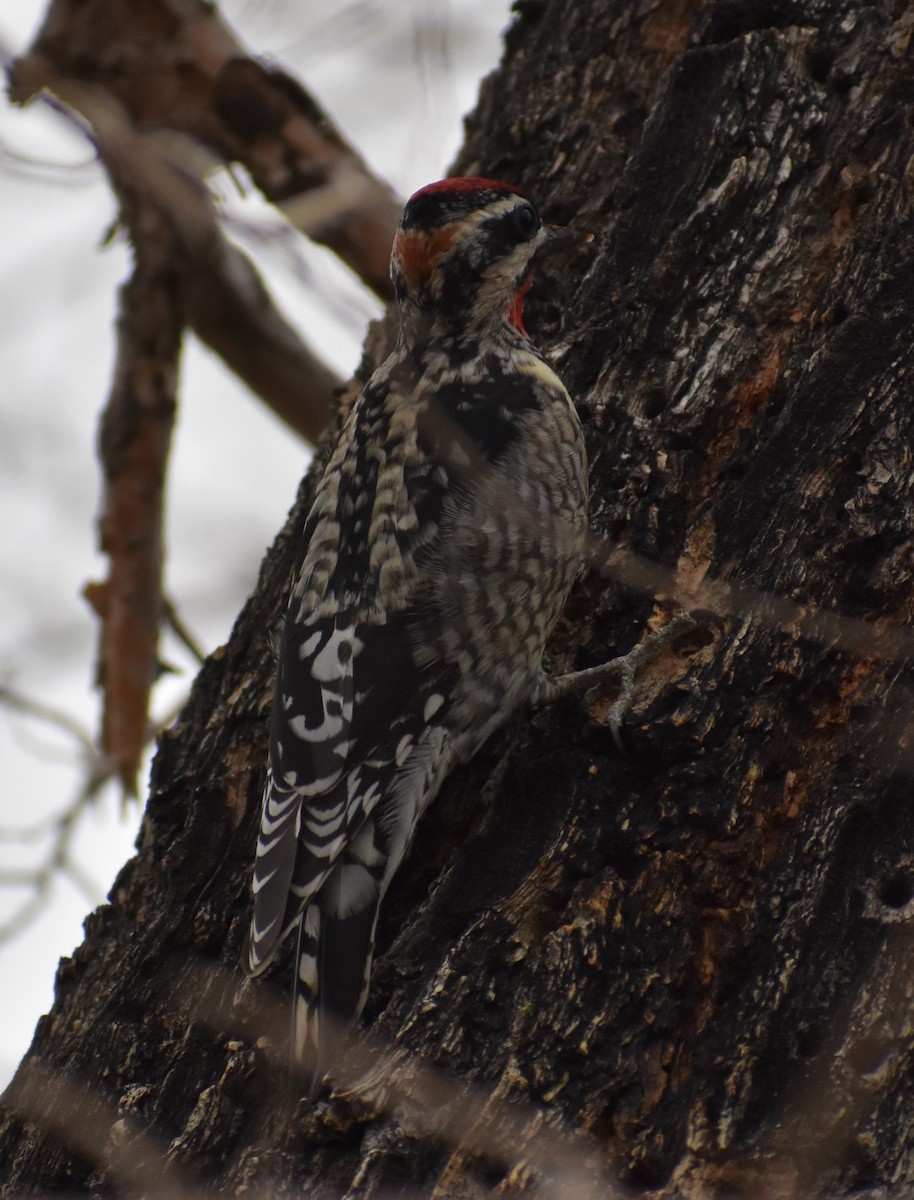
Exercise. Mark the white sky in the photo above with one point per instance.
(396, 75)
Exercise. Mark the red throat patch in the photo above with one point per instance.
(516, 311)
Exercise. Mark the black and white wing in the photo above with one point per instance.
(350, 727)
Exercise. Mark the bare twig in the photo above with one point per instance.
(187, 639)
(852, 635)
(57, 862)
(61, 174)
(59, 828)
(48, 713)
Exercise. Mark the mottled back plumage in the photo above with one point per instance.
(442, 542)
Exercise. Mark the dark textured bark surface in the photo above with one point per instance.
(697, 958)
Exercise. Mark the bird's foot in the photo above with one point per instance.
(624, 669)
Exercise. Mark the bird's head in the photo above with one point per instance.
(461, 257)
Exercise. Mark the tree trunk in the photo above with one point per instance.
(688, 967)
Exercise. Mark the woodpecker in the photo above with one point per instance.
(444, 537)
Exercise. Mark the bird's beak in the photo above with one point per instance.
(560, 238)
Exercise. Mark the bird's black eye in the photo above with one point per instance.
(526, 220)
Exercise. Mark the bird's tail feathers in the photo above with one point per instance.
(331, 984)
(305, 1011)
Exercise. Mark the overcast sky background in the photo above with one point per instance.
(396, 75)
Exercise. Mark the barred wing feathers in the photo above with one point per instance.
(319, 792)
(350, 704)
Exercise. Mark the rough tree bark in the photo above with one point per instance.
(689, 968)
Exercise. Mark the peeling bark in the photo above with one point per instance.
(689, 968)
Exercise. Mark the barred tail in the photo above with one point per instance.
(331, 986)
(335, 949)
(305, 1014)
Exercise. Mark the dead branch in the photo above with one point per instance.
(176, 64)
(134, 443)
(232, 312)
(225, 299)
